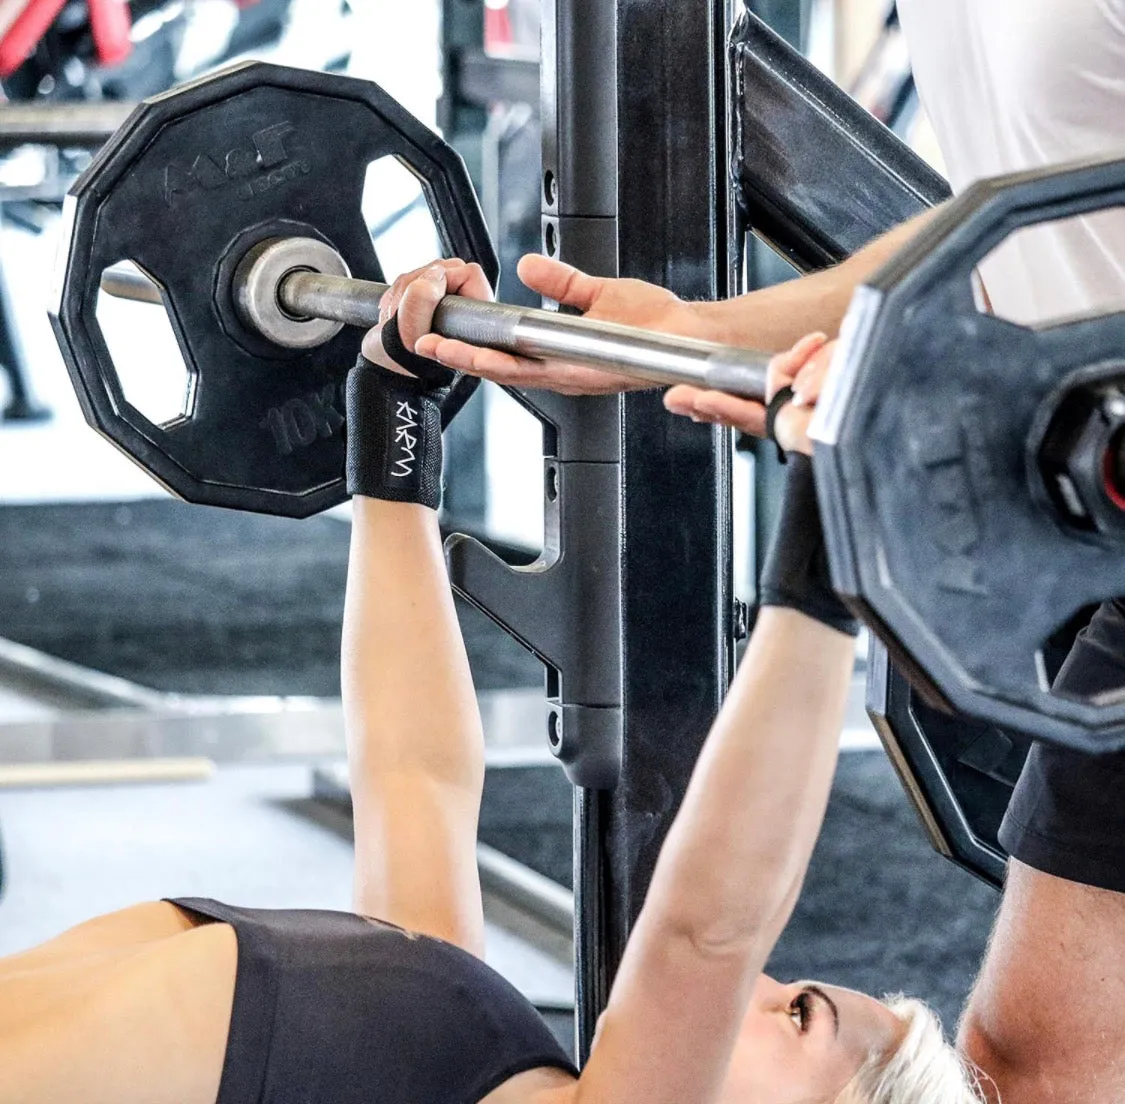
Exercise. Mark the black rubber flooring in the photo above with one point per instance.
(198, 600)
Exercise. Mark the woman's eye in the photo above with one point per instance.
(799, 1012)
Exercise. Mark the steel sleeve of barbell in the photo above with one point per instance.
(124, 281)
(543, 335)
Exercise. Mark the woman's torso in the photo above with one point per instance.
(332, 1006)
(160, 1004)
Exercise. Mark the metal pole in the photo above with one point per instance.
(21, 404)
(124, 281)
(578, 108)
(637, 89)
(676, 609)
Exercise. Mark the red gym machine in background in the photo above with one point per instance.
(23, 23)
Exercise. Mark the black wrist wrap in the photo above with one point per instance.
(394, 432)
(796, 571)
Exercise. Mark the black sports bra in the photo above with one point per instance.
(332, 1008)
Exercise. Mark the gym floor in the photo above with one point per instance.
(250, 834)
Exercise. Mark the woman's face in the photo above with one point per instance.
(804, 1042)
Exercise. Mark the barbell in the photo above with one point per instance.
(971, 472)
(298, 293)
(237, 200)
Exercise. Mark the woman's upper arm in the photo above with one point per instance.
(729, 871)
(673, 1019)
(415, 857)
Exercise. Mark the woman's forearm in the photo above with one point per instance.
(734, 860)
(774, 318)
(415, 748)
(408, 695)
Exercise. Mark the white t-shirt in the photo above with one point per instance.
(1011, 85)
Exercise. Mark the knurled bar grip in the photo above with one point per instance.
(542, 335)
(524, 331)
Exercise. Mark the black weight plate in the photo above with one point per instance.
(252, 152)
(958, 772)
(937, 529)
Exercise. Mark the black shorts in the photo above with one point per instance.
(1067, 814)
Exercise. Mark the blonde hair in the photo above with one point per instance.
(923, 1069)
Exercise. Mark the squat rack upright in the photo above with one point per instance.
(631, 606)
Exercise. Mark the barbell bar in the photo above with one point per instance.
(282, 286)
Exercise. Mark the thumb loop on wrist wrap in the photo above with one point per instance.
(432, 375)
(773, 409)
